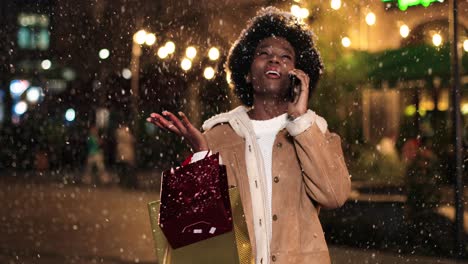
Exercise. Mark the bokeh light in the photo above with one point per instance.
(70, 114)
(209, 73)
(126, 73)
(404, 31)
(346, 42)
(437, 39)
(370, 19)
(20, 108)
(186, 64)
(213, 53)
(33, 94)
(191, 52)
(46, 64)
(170, 47)
(162, 52)
(335, 4)
(104, 54)
(140, 37)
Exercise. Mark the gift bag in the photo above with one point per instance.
(195, 202)
(229, 248)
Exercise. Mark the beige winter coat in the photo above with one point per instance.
(308, 171)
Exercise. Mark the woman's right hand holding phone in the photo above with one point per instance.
(181, 127)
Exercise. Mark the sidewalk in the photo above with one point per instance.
(50, 218)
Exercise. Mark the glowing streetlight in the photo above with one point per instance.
(127, 73)
(150, 39)
(465, 45)
(209, 73)
(346, 42)
(437, 40)
(404, 31)
(170, 47)
(213, 53)
(104, 54)
(335, 4)
(140, 37)
(186, 64)
(191, 52)
(46, 64)
(370, 19)
(163, 52)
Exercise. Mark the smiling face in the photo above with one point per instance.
(274, 57)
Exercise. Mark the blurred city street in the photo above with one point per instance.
(44, 221)
(86, 87)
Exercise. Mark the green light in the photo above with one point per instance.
(404, 4)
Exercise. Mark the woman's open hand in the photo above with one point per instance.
(181, 127)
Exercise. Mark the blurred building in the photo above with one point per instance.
(72, 63)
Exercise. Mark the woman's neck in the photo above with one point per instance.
(264, 109)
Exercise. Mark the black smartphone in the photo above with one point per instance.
(294, 82)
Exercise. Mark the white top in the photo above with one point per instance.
(266, 131)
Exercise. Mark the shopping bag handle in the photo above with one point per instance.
(187, 160)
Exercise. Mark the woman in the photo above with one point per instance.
(279, 154)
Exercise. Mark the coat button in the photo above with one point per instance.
(273, 258)
(279, 144)
(276, 179)
(275, 217)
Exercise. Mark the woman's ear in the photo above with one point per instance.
(248, 79)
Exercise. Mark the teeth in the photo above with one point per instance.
(273, 72)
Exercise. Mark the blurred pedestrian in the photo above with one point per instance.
(125, 156)
(95, 159)
(280, 154)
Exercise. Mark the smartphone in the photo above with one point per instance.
(294, 82)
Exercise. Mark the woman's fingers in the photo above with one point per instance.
(188, 125)
(163, 123)
(175, 121)
(303, 94)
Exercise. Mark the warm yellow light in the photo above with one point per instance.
(304, 13)
(346, 42)
(464, 109)
(426, 105)
(299, 12)
(370, 19)
(140, 37)
(228, 77)
(209, 73)
(404, 31)
(335, 4)
(191, 52)
(295, 10)
(170, 47)
(410, 110)
(162, 52)
(150, 39)
(186, 64)
(213, 53)
(437, 39)
(465, 45)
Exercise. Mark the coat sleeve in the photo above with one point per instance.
(324, 171)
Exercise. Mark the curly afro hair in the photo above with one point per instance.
(272, 22)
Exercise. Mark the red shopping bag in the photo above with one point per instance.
(195, 202)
